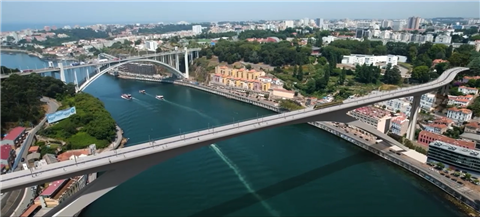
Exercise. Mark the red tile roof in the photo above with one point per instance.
(13, 134)
(5, 151)
(53, 187)
(442, 138)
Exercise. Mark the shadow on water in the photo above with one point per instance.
(268, 192)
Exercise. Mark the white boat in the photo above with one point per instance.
(126, 96)
(159, 97)
(142, 91)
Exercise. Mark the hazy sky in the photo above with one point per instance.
(138, 11)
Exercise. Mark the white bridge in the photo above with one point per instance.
(170, 60)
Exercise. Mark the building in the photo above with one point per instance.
(460, 101)
(468, 78)
(436, 128)
(459, 115)
(15, 137)
(425, 138)
(70, 155)
(355, 59)
(378, 118)
(444, 39)
(197, 29)
(7, 157)
(319, 23)
(454, 157)
(472, 127)
(427, 102)
(151, 45)
(399, 125)
(468, 90)
(414, 23)
(401, 105)
(240, 78)
(281, 93)
(289, 24)
(398, 25)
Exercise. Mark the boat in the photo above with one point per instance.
(126, 96)
(159, 97)
(142, 91)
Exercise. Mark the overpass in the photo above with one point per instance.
(172, 58)
(120, 165)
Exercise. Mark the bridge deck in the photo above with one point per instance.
(63, 169)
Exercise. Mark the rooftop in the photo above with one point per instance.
(53, 187)
(66, 155)
(464, 111)
(458, 143)
(14, 133)
(452, 148)
(372, 112)
(5, 151)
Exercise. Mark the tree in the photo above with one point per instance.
(421, 74)
(474, 65)
(300, 73)
(392, 75)
(342, 77)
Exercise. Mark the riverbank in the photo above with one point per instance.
(454, 190)
(40, 56)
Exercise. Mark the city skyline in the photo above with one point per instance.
(151, 12)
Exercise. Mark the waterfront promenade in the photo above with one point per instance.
(461, 193)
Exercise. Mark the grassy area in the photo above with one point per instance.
(406, 65)
(387, 87)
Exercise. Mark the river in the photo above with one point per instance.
(294, 170)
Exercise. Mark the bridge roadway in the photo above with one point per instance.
(182, 143)
(104, 63)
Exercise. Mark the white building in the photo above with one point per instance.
(443, 39)
(289, 24)
(460, 115)
(468, 90)
(461, 101)
(427, 101)
(151, 45)
(328, 39)
(401, 105)
(355, 59)
(197, 29)
(399, 125)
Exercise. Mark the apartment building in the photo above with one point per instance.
(459, 115)
(399, 125)
(468, 90)
(378, 118)
(436, 128)
(460, 101)
(427, 102)
(358, 59)
(401, 105)
(240, 78)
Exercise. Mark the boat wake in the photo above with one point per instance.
(187, 108)
(142, 103)
(243, 180)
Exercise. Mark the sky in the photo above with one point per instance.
(55, 12)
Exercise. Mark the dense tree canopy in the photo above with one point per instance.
(275, 54)
(5, 70)
(91, 124)
(21, 97)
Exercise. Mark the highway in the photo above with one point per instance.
(111, 159)
(103, 63)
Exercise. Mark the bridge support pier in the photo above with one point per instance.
(102, 185)
(186, 63)
(413, 117)
(76, 80)
(177, 62)
(62, 73)
(88, 75)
